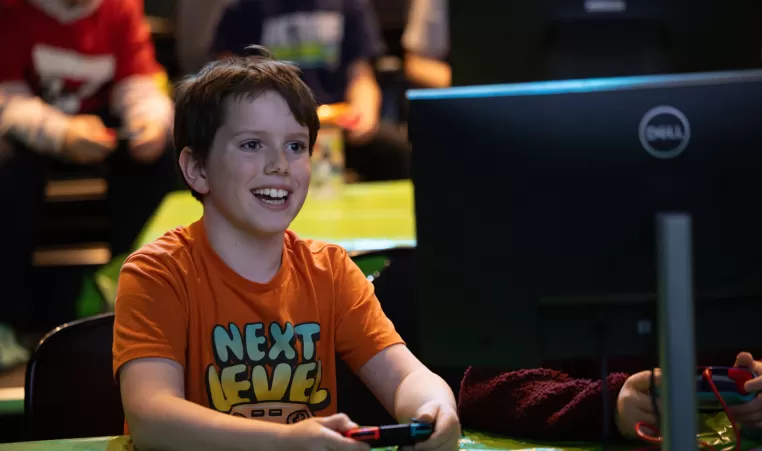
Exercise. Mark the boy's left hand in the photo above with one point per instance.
(447, 433)
(750, 414)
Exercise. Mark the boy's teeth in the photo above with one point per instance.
(271, 192)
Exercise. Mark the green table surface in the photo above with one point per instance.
(471, 441)
(362, 216)
(714, 430)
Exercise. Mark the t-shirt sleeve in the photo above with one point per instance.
(362, 32)
(362, 327)
(427, 32)
(151, 317)
(135, 53)
(15, 53)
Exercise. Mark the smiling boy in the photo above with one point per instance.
(226, 330)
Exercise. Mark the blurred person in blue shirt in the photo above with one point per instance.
(334, 42)
(195, 27)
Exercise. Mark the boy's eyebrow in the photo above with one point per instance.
(254, 131)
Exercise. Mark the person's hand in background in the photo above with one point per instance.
(323, 433)
(364, 97)
(148, 141)
(87, 140)
(362, 126)
(750, 414)
(634, 404)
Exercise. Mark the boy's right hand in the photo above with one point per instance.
(323, 434)
(634, 404)
(88, 141)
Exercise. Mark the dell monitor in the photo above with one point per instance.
(552, 216)
(545, 196)
(513, 41)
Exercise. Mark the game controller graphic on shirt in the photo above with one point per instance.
(277, 412)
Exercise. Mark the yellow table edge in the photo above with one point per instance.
(352, 220)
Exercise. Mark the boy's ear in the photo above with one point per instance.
(194, 172)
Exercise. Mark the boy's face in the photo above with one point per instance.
(258, 169)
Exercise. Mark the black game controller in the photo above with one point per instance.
(392, 435)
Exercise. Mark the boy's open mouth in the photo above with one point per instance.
(272, 196)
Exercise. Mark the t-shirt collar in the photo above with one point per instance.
(229, 274)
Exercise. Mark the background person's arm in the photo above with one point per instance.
(364, 96)
(138, 95)
(427, 72)
(362, 44)
(426, 41)
(24, 116)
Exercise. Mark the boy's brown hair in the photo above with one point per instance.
(199, 98)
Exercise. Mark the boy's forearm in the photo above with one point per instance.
(418, 388)
(168, 423)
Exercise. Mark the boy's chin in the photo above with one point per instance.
(269, 228)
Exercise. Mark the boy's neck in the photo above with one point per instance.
(256, 258)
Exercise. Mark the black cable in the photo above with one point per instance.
(652, 392)
(606, 408)
(654, 342)
(601, 338)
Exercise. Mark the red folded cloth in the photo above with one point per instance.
(541, 404)
(560, 404)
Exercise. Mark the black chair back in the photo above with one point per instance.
(69, 390)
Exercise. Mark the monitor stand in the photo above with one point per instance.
(676, 331)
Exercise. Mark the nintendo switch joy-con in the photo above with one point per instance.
(729, 382)
(392, 435)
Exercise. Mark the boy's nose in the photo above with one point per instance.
(277, 164)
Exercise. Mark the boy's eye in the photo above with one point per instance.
(251, 145)
(297, 147)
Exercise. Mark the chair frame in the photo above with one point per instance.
(31, 369)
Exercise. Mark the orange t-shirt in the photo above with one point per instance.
(255, 350)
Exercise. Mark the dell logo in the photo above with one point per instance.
(664, 132)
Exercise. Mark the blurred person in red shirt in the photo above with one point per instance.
(78, 86)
